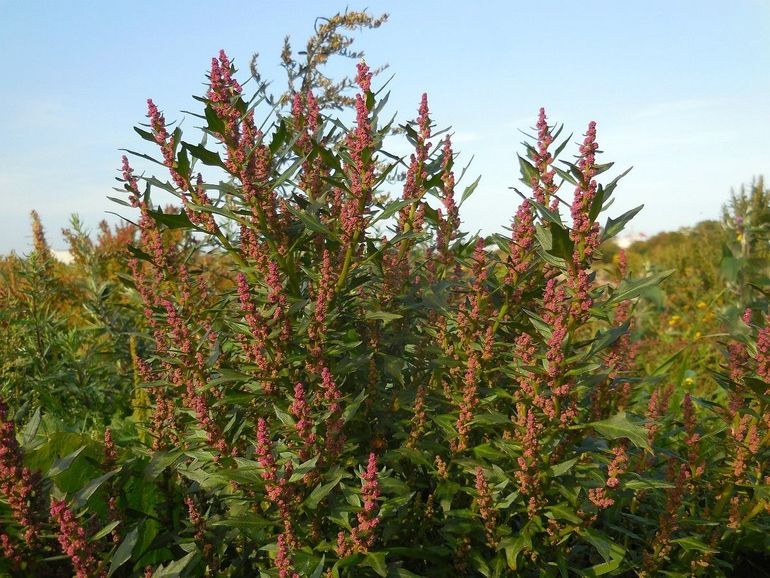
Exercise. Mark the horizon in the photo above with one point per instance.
(676, 91)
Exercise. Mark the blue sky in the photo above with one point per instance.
(680, 90)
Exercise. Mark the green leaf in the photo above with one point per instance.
(279, 137)
(285, 418)
(565, 175)
(631, 288)
(175, 569)
(561, 245)
(479, 564)
(596, 205)
(321, 491)
(162, 185)
(352, 408)
(206, 156)
(410, 454)
(310, 220)
(287, 174)
(605, 339)
(138, 253)
(159, 462)
(384, 316)
(394, 367)
(64, 463)
(601, 168)
(487, 451)
(183, 163)
(577, 174)
(104, 531)
(602, 568)
(528, 172)
(758, 386)
(545, 238)
(619, 426)
(124, 551)
(491, 417)
(319, 568)
(564, 511)
(615, 226)
(445, 492)
(330, 159)
(376, 561)
(215, 124)
(143, 156)
(250, 521)
(82, 497)
(538, 323)
(563, 467)
(691, 543)
(301, 470)
(513, 546)
(607, 549)
(31, 429)
(172, 220)
(469, 190)
(392, 208)
(146, 135)
(562, 146)
(546, 213)
(730, 267)
(666, 365)
(646, 484)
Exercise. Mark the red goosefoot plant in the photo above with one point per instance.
(355, 387)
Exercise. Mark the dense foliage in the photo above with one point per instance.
(297, 371)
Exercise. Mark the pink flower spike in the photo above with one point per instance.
(364, 77)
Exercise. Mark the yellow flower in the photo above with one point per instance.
(697, 335)
(689, 381)
(673, 321)
(701, 305)
(740, 237)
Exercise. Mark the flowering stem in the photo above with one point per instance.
(408, 226)
(274, 249)
(500, 315)
(347, 262)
